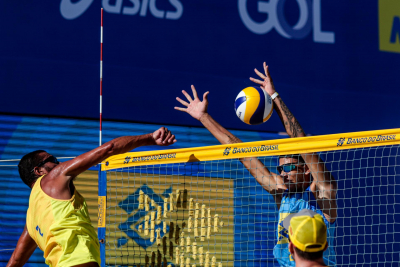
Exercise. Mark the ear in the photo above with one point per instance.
(307, 170)
(291, 248)
(326, 246)
(38, 171)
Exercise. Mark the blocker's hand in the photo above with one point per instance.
(267, 84)
(163, 137)
(195, 107)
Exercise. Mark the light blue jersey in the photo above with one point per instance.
(293, 203)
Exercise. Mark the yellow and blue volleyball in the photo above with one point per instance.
(253, 106)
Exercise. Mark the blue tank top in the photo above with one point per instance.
(293, 203)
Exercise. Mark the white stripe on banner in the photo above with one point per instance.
(101, 69)
(101, 35)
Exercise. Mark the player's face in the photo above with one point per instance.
(295, 175)
(48, 163)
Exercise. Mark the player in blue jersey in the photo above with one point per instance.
(303, 182)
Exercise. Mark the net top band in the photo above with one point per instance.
(275, 147)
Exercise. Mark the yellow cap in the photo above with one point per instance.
(307, 230)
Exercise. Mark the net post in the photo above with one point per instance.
(102, 193)
(101, 222)
(101, 80)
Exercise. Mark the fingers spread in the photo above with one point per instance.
(267, 71)
(265, 68)
(194, 92)
(256, 81)
(180, 109)
(188, 97)
(182, 102)
(262, 76)
(205, 95)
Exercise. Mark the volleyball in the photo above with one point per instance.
(253, 106)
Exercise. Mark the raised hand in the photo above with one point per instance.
(266, 84)
(163, 137)
(195, 107)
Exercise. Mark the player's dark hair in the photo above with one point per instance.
(293, 156)
(26, 165)
(310, 256)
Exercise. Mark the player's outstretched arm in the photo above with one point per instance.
(324, 185)
(198, 110)
(24, 250)
(290, 123)
(72, 168)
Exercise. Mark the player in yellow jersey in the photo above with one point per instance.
(57, 218)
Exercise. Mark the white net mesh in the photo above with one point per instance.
(245, 232)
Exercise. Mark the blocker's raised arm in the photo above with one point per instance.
(324, 185)
(198, 109)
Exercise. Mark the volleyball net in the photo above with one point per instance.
(202, 207)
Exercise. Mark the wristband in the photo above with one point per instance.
(274, 95)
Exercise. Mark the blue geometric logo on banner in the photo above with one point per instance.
(131, 204)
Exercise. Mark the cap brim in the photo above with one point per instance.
(286, 221)
(303, 212)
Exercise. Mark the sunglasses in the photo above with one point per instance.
(49, 159)
(286, 168)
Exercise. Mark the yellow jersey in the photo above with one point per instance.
(62, 228)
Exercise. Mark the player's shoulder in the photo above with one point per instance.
(54, 179)
(312, 187)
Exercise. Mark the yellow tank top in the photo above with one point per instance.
(62, 228)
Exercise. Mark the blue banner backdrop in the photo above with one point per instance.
(20, 135)
(367, 228)
(335, 64)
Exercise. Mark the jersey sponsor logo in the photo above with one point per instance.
(389, 25)
(70, 9)
(283, 235)
(309, 20)
(38, 229)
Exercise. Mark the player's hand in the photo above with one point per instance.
(163, 137)
(266, 83)
(195, 107)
